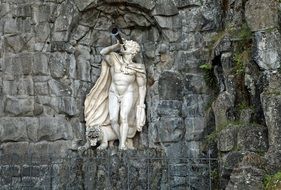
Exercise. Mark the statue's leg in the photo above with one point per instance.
(111, 144)
(103, 145)
(114, 113)
(126, 106)
(130, 143)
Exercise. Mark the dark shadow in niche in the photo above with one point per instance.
(218, 72)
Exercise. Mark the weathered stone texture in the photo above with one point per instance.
(272, 105)
(54, 128)
(19, 106)
(229, 162)
(171, 130)
(227, 139)
(267, 49)
(170, 86)
(248, 174)
(221, 105)
(265, 11)
(252, 138)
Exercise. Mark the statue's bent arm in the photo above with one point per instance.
(112, 48)
(105, 52)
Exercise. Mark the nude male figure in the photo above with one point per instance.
(127, 77)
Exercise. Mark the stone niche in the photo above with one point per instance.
(50, 60)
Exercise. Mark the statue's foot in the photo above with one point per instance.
(123, 147)
(131, 148)
(102, 147)
(139, 129)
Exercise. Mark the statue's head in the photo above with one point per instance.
(131, 47)
(94, 134)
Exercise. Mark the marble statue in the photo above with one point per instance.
(115, 105)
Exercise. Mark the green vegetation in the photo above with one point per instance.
(242, 52)
(244, 105)
(241, 60)
(270, 29)
(216, 39)
(272, 182)
(206, 66)
(242, 41)
(209, 76)
(244, 33)
(215, 175)
(213, 137)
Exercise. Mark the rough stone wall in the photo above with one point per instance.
(247, 110)
(213, 70)
(50, 59)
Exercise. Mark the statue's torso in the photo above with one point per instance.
(123, 79)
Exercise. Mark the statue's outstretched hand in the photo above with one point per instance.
(140, 115)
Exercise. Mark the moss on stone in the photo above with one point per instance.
(272, 182)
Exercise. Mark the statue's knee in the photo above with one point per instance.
(124, 120)
(114, 121)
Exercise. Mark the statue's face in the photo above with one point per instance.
(93, 135)
(132, 47)
(129, 50)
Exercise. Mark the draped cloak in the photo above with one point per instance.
(96, 104)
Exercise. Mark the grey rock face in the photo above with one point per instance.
(252, 138)
(270, 99)
(227, 139)
(265, 11)
(230, 162)
(171, 129)
(19, 106)
(194, 105)
(170, 86)
(267, 49)
(14, 129)
(221, 105)
(84, 4)
(58, 88)
(248, 174)
(53, 128)
(273, 159)
(169, 108)
(165, 8)
(187, 60)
